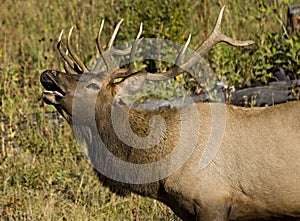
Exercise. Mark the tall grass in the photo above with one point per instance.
(43, 176)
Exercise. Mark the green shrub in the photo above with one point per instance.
(248, 66)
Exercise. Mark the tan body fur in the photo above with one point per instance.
(255, 174)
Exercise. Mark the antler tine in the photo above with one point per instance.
(128, 72)
(99, 37)
(216, 36)
(73, 54)
(133, 50)
(62, 52)
(70, 69)
(182, 51)
(107, 61)
(100, 49)
(114, 35)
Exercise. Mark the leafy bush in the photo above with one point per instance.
(257, 65)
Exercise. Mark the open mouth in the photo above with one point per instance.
(54, 92)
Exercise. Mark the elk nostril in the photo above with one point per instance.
(43, 77)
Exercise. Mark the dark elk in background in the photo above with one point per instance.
(293, 20)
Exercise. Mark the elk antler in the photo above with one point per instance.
(78, 66)
(73, 54)
(124, 73)
(215, 37)
(68, 62)
(133, 50)
(106, 56)
(106, 59)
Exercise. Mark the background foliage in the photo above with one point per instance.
(43, 175)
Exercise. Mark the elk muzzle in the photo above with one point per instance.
(55, 91)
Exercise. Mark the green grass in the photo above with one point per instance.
(43, 175)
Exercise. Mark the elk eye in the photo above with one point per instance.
(93, 86)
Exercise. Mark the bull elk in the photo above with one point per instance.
(253, 175)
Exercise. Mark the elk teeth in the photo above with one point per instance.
(58, 93)
(54, 93)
